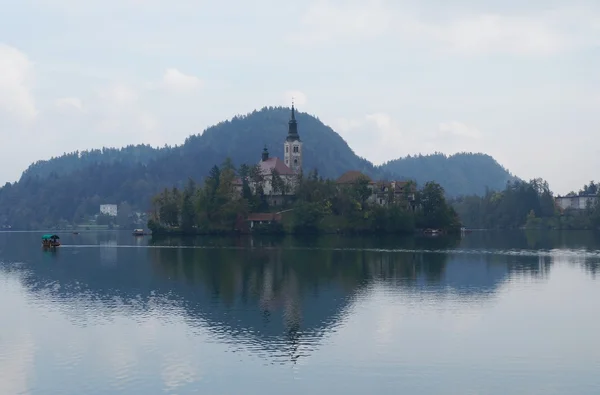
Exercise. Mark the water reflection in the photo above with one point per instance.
(274, 292)
(278, 300)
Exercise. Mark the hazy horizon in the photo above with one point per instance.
(515, 81)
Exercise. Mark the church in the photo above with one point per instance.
(288, 169)
(383, 193)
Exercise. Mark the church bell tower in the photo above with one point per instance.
(292, 147)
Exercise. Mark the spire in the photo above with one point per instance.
(293, 126)
(265, 153)
(293, 112)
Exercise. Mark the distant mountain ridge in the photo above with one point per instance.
(71, 186)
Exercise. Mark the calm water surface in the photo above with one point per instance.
(492, 313)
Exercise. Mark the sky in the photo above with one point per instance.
(516, 80)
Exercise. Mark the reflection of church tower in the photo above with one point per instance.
(292, 147)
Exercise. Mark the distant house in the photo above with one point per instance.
(382, 192)
(108, 209)
(352, 177)
(576, 202)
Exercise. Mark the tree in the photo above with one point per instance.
(308, 216)
(188, 211)
(434, 211)
(124, 214)
(361, 191)
(169, 210)
(104, 219)
(277, 183)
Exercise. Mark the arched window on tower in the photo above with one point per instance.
(295, 161)
(287, 149)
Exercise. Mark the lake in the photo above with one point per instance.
(488, 313)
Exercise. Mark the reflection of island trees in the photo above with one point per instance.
(591, 267)
(281, 294)
(290, 284)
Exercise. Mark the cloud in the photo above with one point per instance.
(458, 31)
(114, 115)
(325, 21)
(298, 97)
(488, 33)
(16, 81)
(69, 103)
(375, 136)
(118, 95)
(176, 81)
(380, 138)
(459, 129)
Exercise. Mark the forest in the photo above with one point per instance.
(317, 205)
(529, 205)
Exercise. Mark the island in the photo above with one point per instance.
(276, 196)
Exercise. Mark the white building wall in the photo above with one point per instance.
(576, 202)
(109, 209)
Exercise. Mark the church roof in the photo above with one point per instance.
(266, 166)
(352, 176)
(293, 127)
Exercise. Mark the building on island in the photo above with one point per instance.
(108, 209)
(262, 219)
(293, 146)
(278, 178)
(382, 192)
(576, 202)
(271, 167)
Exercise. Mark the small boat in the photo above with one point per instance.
(50, 241)
(139, 232)
(432, 232)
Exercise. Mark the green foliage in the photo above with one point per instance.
(309, 215)
(524, 204)
(188, 212)
(318, 205)
(433, 211)
(104, 219)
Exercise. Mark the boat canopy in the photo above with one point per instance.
(50, 237)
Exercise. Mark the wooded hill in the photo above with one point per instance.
(72, 186)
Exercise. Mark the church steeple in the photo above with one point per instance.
(292, 146)
(265, 153)
(293, 127)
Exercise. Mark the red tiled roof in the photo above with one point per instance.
(274, 163)
(264, 217)
(353, 176)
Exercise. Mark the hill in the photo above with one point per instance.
(242, 139)
(459, 174)
(72, 186)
